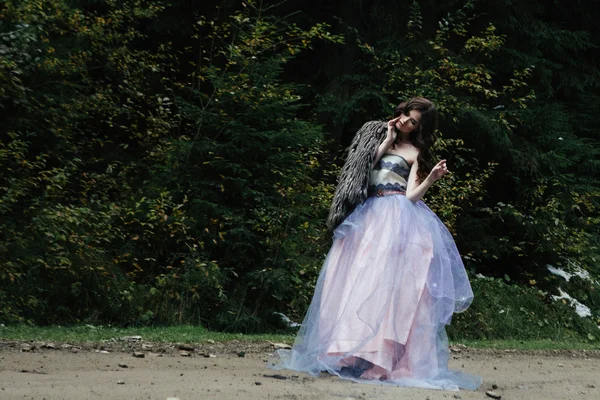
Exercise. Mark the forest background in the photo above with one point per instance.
(172, 162)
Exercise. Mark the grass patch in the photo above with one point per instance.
(197, 334)
(545, 344)
(89, 333)
(503, 312)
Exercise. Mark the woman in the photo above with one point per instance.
(393, 277)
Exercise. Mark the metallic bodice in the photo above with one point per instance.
(390, 173)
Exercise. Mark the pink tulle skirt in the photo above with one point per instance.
(390, 283)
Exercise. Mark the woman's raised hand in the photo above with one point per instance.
(439, 170)
(391, 132)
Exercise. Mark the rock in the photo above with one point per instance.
(560, 365)
(138, 354)
(208, 355)
(241, 354)
(184, 354)
(66, 346)
(257, 383)
(120, 382)
(493, 395)
(275, 376)
(123, 365)
(278, 346)
(50, 346)
(457, 396)
(26, 348)
(102, 352)
(186, 347)
(210, 341)
(146, 346)
(135, 338)
(455, 350)
(494, 386)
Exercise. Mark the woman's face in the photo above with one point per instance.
(408, 122)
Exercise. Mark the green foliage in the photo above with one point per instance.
(252, 166)
(504, 311)
(147, 197)
(166, 163)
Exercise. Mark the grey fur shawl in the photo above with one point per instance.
(354, 178)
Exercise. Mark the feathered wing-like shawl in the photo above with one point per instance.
(354, 178)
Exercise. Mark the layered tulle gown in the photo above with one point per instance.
(389, 286)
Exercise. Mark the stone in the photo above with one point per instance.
(27, 348)
(275, 376)
(120, 382)
(186, 347)
(138, 354)
(123, 365)
(184, 354)
(241, 354)
(135, 338)
(493, 395)
(278, 346)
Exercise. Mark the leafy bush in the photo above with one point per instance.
(508, 311)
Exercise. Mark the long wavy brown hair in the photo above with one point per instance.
(424, 136)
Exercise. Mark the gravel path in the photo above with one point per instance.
(236, 370)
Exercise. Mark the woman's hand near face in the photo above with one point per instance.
(391, 132)
(387, 142)
(439, 170)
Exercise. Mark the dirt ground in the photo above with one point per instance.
(236, 370)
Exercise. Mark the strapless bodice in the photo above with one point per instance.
(390, 173)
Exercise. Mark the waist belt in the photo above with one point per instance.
(383, 192)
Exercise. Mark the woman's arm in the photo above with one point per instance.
(387, 142)
(415, 190)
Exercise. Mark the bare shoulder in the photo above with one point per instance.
(407, 151)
